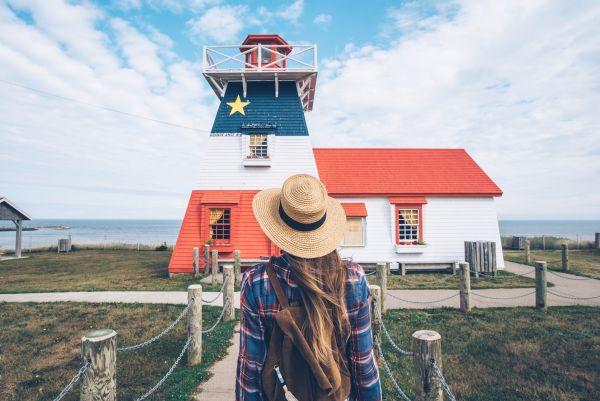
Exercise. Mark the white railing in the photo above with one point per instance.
(233, 58)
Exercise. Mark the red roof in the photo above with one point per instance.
(354, 209)
(402, 172)
(217, 197)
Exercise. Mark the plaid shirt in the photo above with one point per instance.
(258, 304)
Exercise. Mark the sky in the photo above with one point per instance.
(104, 112)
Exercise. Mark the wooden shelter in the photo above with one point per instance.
(10, 211)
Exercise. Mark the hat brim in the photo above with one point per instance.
(304, 244)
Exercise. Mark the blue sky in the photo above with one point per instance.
(514, 83)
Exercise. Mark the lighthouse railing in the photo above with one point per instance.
(232, 58)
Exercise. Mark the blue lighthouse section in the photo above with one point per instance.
(282, 115)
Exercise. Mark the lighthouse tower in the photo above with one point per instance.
(258, 139)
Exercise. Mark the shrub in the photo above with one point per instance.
(162, 247)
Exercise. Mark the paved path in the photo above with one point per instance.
(221, 386)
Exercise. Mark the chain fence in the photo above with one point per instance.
(389, 337)
(389, 371)
(158, 336)
(515, 297)
(572, 278)
(151, 391)
(218, 294)
(421, 302)
(442, 380)
(169, 372)
(572, 297)
(74, 380)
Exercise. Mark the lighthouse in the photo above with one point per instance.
(259, 138)
(414, 208)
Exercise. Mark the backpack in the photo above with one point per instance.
(288, 349)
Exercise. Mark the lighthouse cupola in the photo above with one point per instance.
(267, 56)
(262, 58)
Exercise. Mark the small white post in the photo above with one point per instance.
(215, 266)
(381, 274)
(194, 352)
(375, 309)
(99, 382)
(465, 287)
(228, 277)
(195, 261)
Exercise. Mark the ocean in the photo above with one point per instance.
(159, 231)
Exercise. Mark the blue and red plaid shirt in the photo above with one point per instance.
(258, 305)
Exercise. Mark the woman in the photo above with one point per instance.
(307, 225)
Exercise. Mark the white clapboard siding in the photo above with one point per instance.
(221, 164)
(447, 224)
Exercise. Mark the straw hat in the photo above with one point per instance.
(300, 218)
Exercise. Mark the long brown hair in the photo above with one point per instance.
(322, 282)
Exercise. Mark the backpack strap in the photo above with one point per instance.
(283, 301)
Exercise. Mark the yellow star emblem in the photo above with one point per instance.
(237, 106)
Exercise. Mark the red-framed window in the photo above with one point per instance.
(219, 222)
(409, 224)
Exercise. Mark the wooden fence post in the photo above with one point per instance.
(194, 352)
(381, 274)
(527, 252)
(427, 346)
(465, 287)
(565, 257)
(375, 309)
(215, 266)
(403, 268)
(228, 293)
(597, 241)
(196, 260)
(540, 285)
(99, 382)
(237, 266)
(206, 258)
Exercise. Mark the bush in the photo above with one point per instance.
(162, 247)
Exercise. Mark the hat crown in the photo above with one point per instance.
(304, 198)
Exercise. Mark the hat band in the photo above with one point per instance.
(296, 225)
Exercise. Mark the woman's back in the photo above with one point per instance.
(258, 305)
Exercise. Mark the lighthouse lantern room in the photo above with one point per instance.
(262, 58)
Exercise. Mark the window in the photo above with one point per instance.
(220, 224)
(408, 225)
(355, 232)
(258, 148)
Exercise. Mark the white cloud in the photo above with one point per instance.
(109, 160)
(221, 24)
(515, 83)
(128, 4)
(292, 12)
(323, 20)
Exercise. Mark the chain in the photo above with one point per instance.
(218, 294)
(571, 278)
(440, 376)
(422, 302)
(155, 338)
(389, 371)
(166, 376)
(371, 273)
(488, 297)
(214, 326)
(443, 279)
(572, 297)
(387, 334)
(74, 380)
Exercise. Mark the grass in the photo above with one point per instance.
(41, 344)
(505, 354)
(581, 262)
(417, 281)
(93, 270)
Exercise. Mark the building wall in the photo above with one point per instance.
(447, 223)
(221, 164)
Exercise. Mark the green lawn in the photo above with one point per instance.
(415, 281)
(92, 270)
(41, 344)
(583, 262)
(505, 354)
